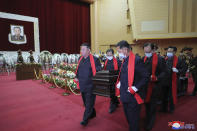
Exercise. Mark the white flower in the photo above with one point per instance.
(70, 74)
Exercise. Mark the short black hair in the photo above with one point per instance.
(120, 43)
(123, 44)
(110, 50)
(173, 47)
(86, 44)
(149, 44)
(17, 27)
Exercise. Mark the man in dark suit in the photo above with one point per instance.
(88, 65)
(111, 64)
(155, 66)
(133, 78)
(174, 68)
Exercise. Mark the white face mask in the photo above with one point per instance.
(169, 54)
(121, 56)
(109, 57)
(148, 55)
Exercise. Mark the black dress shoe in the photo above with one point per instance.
(84, 123)
(112, 108)
(93, 115)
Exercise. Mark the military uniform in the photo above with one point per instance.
(183, 80)
(17, 38)
(193, 70)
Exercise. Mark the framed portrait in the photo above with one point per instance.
(29, 29)
(17, 35)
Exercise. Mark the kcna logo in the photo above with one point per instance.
(178, 125)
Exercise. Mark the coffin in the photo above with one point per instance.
(104, 83)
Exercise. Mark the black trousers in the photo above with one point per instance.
(132, 113)
(89, 101)
(195, 82)
(114, 100)
(182, 86)
(151, 109)
(167, 99)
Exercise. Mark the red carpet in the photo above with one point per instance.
(31, 106)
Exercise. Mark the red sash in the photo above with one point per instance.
(118, 80)
(131, 69)
(174, 81)
(151, 83)
(92, 66)
(114, 62)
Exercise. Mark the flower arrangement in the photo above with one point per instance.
(59, 82)
(70, 74)
(65, 66)
(55, 71)
(47, 78)
(62, 77)
(71, 83)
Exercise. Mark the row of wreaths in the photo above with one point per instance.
(58, 82)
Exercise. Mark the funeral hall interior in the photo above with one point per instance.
(41, 47)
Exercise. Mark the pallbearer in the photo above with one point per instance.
(133, 78)
(88, 65)
(173, 69)
(156, 70)
(111, 64)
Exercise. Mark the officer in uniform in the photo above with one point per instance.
(194, 74)
(183, 80)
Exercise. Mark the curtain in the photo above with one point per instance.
(63, 25)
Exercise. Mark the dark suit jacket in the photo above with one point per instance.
(160, 73)
(110, 65)
(119, 62)
(141, 78)
(169, 64)
(84, 73)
